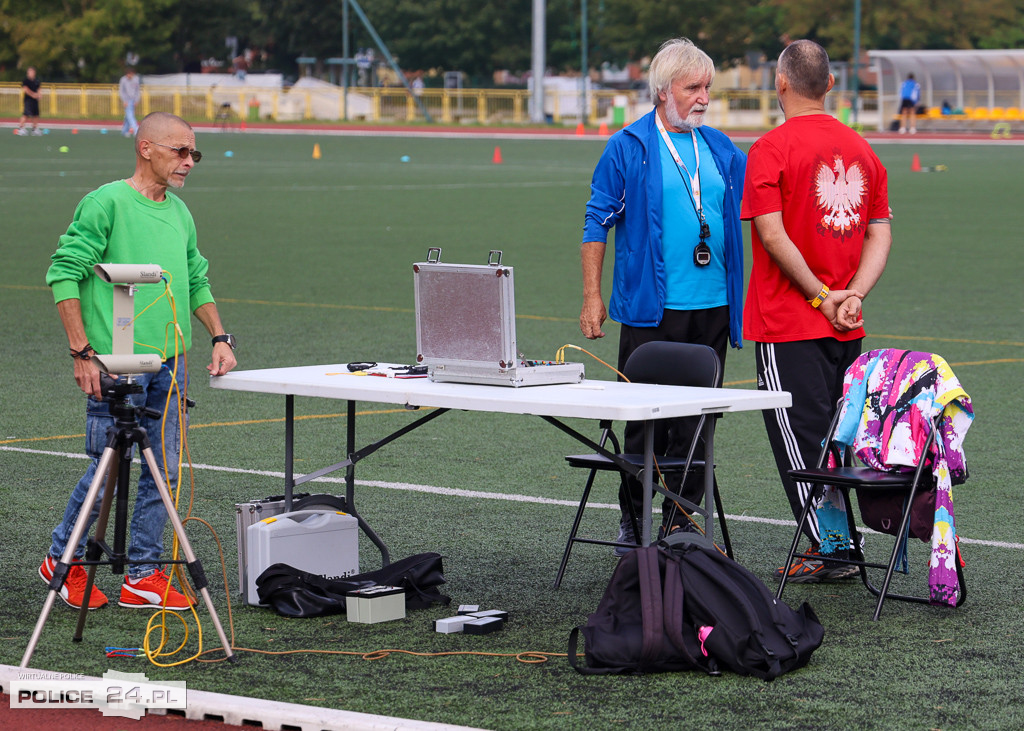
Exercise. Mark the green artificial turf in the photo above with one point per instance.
(311, 263)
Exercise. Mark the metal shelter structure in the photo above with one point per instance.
(344, 65)
(993, 79)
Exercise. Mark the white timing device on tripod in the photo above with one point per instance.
(123, 360)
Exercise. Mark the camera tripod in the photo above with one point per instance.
(114, 468)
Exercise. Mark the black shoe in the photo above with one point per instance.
(626, 535)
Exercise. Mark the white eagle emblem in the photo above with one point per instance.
(840, 192)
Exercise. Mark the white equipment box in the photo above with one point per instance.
(245, 515)
(317, 541)
(466, 326)
(254, 511)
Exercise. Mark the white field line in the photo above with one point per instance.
(474, 494)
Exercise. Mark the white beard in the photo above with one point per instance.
(675, 120)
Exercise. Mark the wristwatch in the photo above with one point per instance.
(226, 338)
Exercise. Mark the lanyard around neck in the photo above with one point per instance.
(695, 178)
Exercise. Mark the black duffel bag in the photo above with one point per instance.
(294, 593)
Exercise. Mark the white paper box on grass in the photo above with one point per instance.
(499, 613)
(375, 604)
(483, 626)
(453, 625)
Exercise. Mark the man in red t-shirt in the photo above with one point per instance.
(817, 198)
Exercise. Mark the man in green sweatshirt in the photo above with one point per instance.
(137, 220)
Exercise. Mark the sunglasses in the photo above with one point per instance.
(183, 152)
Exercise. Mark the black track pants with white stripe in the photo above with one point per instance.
(812, 371)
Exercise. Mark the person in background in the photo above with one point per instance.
(240, 66)
(30, 103)
(910, 97)
(130, 91)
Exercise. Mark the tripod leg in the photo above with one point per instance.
(195, 568)
(60, 571)
(98, 537)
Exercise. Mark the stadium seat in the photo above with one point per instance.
(896, 494)
(670, 364)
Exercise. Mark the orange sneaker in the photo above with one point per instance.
(148, 592)
(73, 590)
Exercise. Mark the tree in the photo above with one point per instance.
(904, 24)
(87, 40)
(201, 28)
(293, 28)
(473, 36)
(479, 37)
(630, 30)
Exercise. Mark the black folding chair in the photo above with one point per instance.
(666, 364)
(866, 480)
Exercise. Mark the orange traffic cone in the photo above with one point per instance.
(579, 129)
(316, 151)
(603, 129)
(497, 156)
(915, 164)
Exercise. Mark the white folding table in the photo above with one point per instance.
(591, 399)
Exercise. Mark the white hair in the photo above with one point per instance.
(675, 59)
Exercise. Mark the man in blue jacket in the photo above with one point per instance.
(671, 189)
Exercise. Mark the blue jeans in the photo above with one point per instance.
(130, 125)
(149, 516)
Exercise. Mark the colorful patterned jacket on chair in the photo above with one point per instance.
(891, 398)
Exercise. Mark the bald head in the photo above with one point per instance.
(805, 65)
(158, 126)
(165, 153)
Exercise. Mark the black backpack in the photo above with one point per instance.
(691, 608)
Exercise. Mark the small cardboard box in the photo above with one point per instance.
(452, 625)
(375, 604)
(482, 626)
(499, 613)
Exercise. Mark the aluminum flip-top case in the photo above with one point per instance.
(466, 326)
